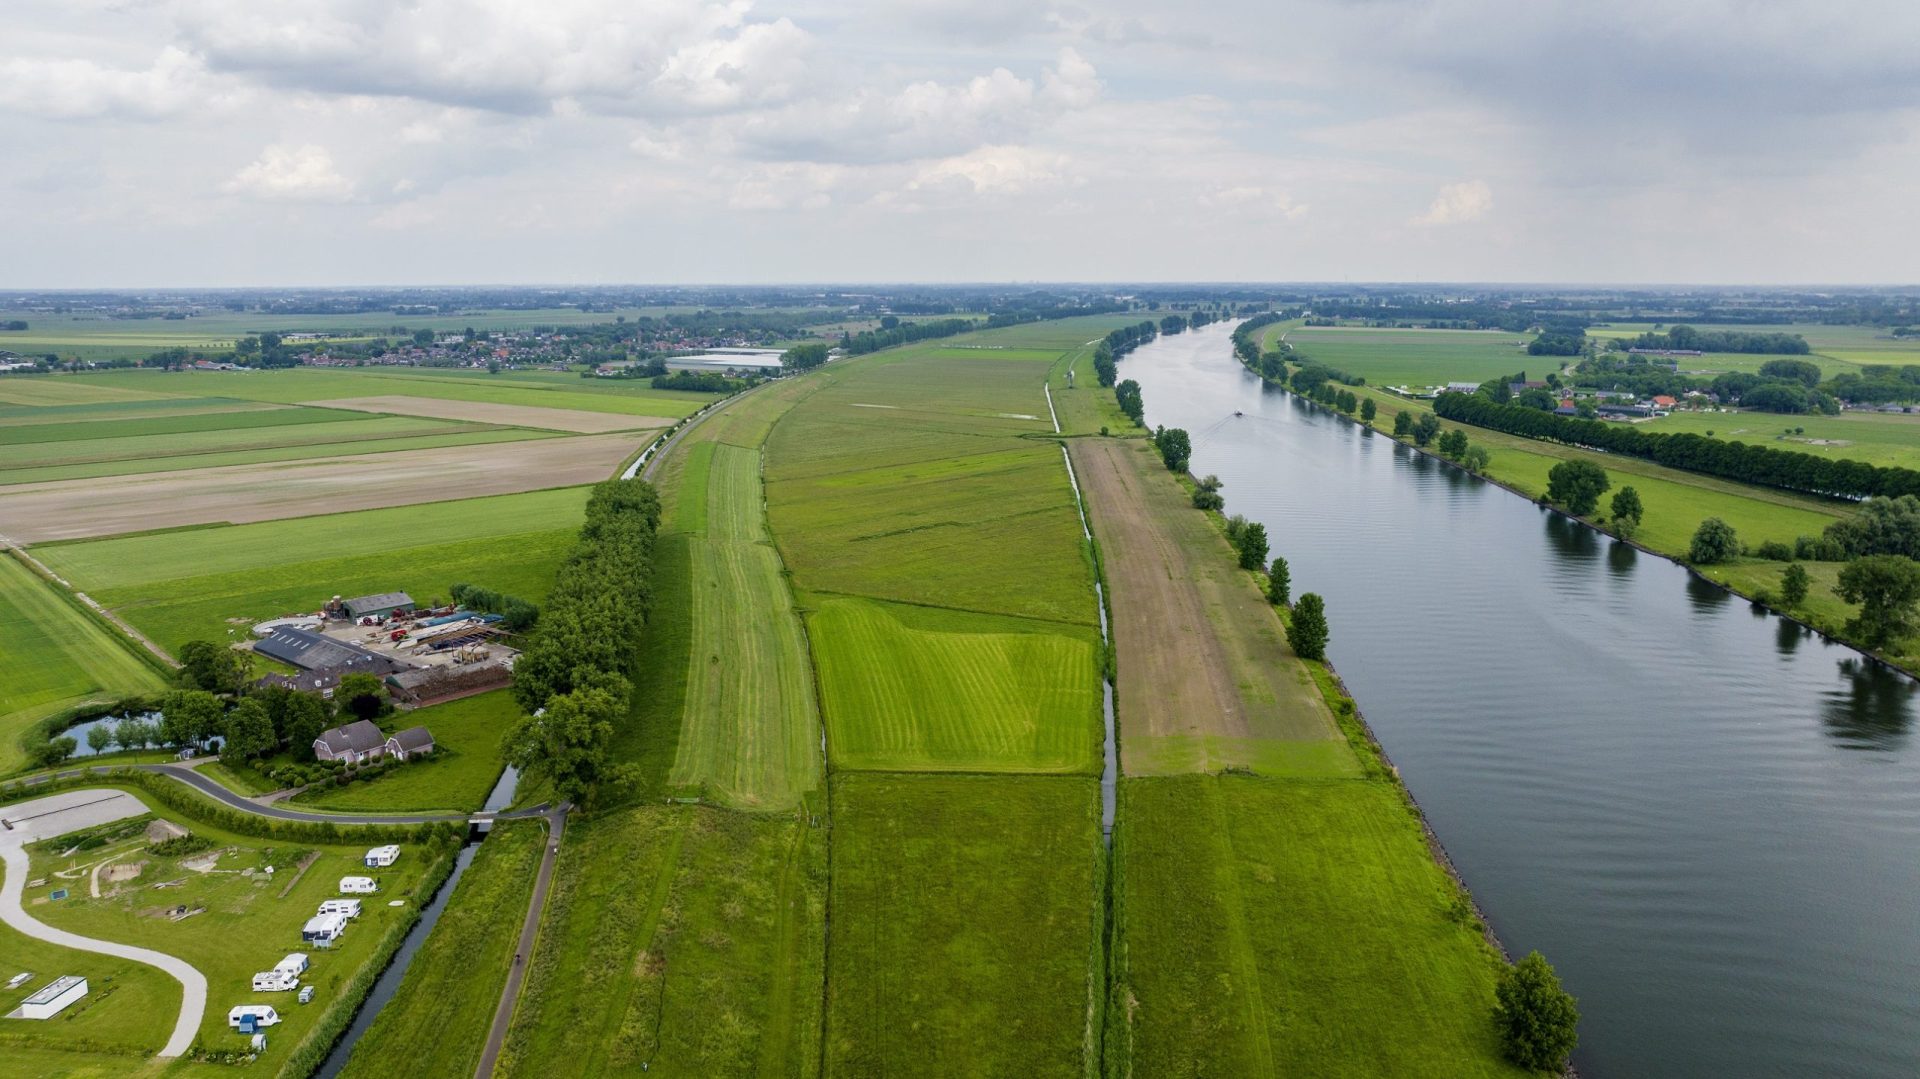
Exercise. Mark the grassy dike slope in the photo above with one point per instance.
(950, 609)
(1275, 908)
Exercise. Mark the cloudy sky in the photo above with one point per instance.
(259, 142)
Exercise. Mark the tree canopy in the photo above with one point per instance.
(1307, 630)
(1538, 1020)
(1714, 541)
(1577, 485)
(1887, 588)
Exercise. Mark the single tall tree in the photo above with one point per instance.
(1279, 583)
(1887, 588)
(1368, 410)
(1577, 485)
(1538, 1020)
(1252, 544)
(1793, 585)
(1714, 541)
(1402, 424)
(1307, 630)
(1626, 510)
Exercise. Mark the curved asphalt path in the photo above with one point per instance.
(227, 797)
(193, 1001)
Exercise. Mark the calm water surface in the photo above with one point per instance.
(1708, 819)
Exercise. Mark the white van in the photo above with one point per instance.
(275, 981)
(324, 928)
(262, 1015)
(358, 886)
(349, 908)
(295, 964)
(380, 857)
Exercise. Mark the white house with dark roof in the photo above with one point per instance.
(355, 743)
(412, 742)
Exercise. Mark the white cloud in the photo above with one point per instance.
(291, 174)
(76, 88)
(994, 170)
(1457, 204)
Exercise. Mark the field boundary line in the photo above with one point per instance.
(90, 606)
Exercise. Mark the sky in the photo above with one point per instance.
(198, 143)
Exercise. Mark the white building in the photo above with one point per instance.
(275, 981)
(346, 908)
(49, 999)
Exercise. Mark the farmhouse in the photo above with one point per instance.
(312, 651)
(412, 742)
(49, 999)
(355, 743)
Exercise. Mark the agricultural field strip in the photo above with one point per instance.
(318, 442)
(555, 419)
(187, 424)
(34, 415)
(301, 385)
(75, 509)
(1199, 654)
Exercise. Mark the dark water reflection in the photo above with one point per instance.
(1709, 821)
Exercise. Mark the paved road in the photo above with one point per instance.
(61, 813)
(218, 793)
(529, 931)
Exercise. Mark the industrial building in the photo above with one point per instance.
(378, 605)
(49, 999)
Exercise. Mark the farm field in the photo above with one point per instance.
(1418, 357)
(463, 767)
(925, 689)
(19, 390)
(750, 730)
(678, 941)
(966, 925)
(56, 659)
(1878, 438)
(75, 509)
(1205, 678)
(247, 921)
(1290, 927)
(1837, 349)
(448, 996)
(302, 384)
(554, 419)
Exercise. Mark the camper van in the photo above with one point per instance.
(358, 886)
(349, 908)
(275, 981)
(248, 1018)
(381, 857)
(295, 964)
(324, 928)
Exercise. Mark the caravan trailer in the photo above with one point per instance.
(324, 928)
(249, 1018)
(295, 964)
(349, 908)
(358, 886)
(275, 981)
(381, 857)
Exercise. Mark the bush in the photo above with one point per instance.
(1204, 499)
(180, 846)
(1775, 551)
(1577, 485)
(1714, 541)
(1537, 1019)
(1793, 585)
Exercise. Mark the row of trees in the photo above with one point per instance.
(1128, 395)
(1686, 338)
(805, 357)
(573, 677)
(1741, 461)
(517, 614)
(859, 344)
(1117, 344)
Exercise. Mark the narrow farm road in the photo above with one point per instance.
(212, 789)
(65, 812)
(529, 933)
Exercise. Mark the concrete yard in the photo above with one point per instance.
(106, 506)
(551, 419)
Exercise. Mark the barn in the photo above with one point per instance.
(378, 605)
(310, 651)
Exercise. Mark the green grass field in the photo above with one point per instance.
(1837, 349)
(296, 385)
(678, 941)
(924, 689)
(1822, 609)
(56, 658)
(1290, 927)
(750, 734)
(1878, 438)
(247, 923)
(463, 767)
(453, 984)
(965, 935)
(1418, 357)
(128, 1010)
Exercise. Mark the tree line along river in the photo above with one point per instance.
(1705, 816)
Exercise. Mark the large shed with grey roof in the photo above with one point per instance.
(312, 651)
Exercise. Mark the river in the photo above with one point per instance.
(1704, 816)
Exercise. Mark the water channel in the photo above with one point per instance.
(1706, 817)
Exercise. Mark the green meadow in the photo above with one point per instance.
(966, 926)
(448, 996)
(1290, 927)
(56, 658)
(1878, 438)
(677, 941)
(1418, 357)
(128, 1011)
(302, 384)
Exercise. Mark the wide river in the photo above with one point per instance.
(1705, 817)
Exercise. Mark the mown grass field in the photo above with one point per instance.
(437, 1023)
(1290, 927)
(1837, 349)
(122, 561)
(679, 941)
(750, 731)
(129, 1008)
(56, 658)
(295, 385)
(463, 767)
(247, 924)
(1878, 438)
(965, 935)
(38, 390)
(925, 689)
(1418, 357)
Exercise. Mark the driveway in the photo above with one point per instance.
(55, 815)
